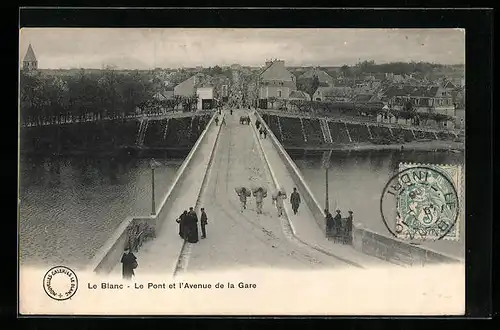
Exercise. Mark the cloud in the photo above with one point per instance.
(148, 48)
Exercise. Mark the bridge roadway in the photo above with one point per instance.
(238, 239)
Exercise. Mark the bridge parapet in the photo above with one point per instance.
(363, 240)
(298, 179)
(396, 251)
(135, 230)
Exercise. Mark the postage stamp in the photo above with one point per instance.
(428, 201)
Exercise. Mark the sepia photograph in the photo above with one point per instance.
(225, 171)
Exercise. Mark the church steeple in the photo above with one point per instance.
(30, 62)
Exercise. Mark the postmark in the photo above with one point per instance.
(60, 283)
(422, 202)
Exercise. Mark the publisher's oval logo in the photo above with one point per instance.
(60, 283)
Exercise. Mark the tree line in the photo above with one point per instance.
(107, 93)
(103, 94)
(370, 67)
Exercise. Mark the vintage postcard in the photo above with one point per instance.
(241, 171)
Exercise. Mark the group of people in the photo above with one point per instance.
(261, 129)
(188, 225)
(223, 121)
(245, 120)
(277, 199)
(338, 228)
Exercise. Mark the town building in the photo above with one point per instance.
(205, 98)
(433, 99)
(164, 95)
(200, 85)
(323, 77)
(299, 96)
(275, 81)
(333, 93)
(30, 63)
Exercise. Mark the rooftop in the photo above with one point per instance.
(408, 90)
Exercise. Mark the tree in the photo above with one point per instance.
(346, 71)
(309, 85)
(189, 102)
(408, 106)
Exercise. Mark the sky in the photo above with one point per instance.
(145, 48)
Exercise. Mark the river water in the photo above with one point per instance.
(356, 181)
(71, 206)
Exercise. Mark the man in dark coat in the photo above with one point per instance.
(193, 226)
(349, 228)
(338, 223)
(295, 200)
(182, 220)
(129, 263)
(329, 222)
(203, 223)
(257, 124)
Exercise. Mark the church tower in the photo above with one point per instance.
(29, 62)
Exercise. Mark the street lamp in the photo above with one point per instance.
(326, 165)
(153, 164)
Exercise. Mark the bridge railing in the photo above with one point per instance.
(363, 240)
(297, 177)
(94, 117)
(395, 250)
(136, 230)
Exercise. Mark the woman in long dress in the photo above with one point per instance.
(182, 224)
(193, 236)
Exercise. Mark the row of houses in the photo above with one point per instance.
(443, 97)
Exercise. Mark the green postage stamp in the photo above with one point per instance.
(429, 201)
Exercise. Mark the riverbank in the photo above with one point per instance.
(433, 145)
(135, 152)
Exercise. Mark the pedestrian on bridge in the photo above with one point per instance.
(257, 124)
(129, 263)
(329, 223)
(223, 121)
(217, 121)
(182, 220)
(348, 228)
(203, 222)
(295, 200)
(278, 198)
(192, 225)
(259, 193)
(337, 222)
(243, 193)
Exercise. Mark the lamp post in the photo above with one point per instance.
(326, 166)
(153, 164)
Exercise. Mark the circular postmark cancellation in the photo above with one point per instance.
(420, 202)
(60, 283)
